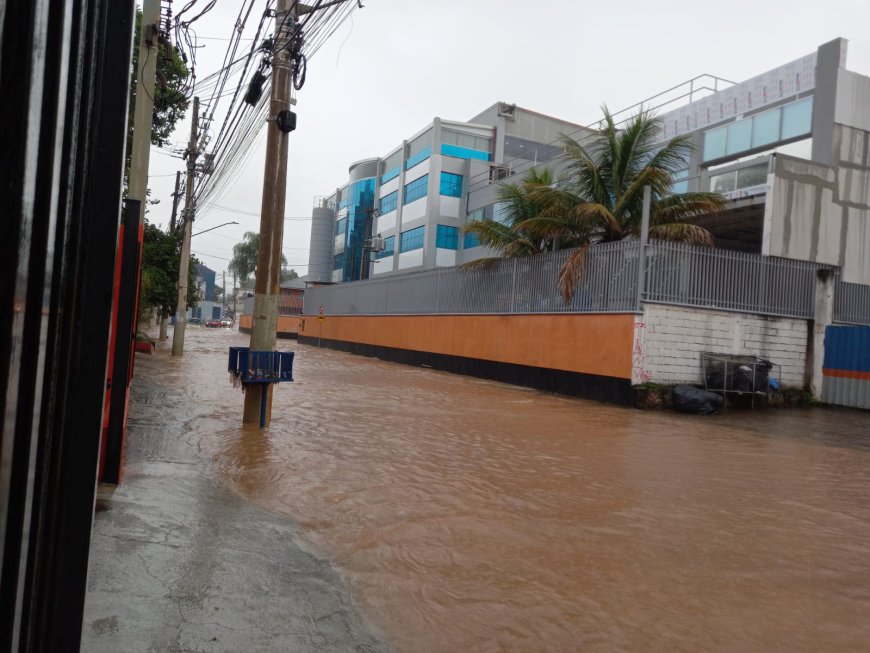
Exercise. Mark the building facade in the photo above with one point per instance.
(414, 200)
(787, 148)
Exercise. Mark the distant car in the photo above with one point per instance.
(226, 323)
(194, 320)
(214, 324)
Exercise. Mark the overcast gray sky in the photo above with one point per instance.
(398, 63)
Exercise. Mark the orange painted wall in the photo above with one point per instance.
(287, 324)
(591, 344)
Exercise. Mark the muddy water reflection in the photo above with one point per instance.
(469, 515)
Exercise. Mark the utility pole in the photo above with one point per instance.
(224, 294)
(175, 197)
(268, 280)
(144, 108)
(235, 293)
(187, 214)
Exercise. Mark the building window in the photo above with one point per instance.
(416, 189)
(412, 239)
(419, 149)
(392, 166)
(797, 118)
(681, 182)
(735, 180)
(388, 202)
(389, 248)
(784, 123)
(339, 262)
(340, 227)
(473, 240)
(447, 237)
(451, 185)
(467, 141)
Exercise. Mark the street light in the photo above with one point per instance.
(212, 228)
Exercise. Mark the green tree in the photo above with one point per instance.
(288, 275)
(599, 196)
(245, 253)
(521, 203)
(161, 254)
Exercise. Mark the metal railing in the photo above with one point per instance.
(676, 274)
(734, 281)
(851, 303)
(520, 285)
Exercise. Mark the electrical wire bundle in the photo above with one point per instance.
(247, 112)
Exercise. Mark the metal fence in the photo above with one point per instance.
(522, 285)
(675, 274)
(851, 303)
(734, 281)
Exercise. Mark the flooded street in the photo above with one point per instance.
(470, 515)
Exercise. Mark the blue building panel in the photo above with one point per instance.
(464, 152)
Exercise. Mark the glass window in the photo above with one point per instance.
(468, 141)
(739, 136)
(797, 118)
(470, 241)
(340, 227)
(419, 144)
(393, 161)
(416, 189)
(765, 128)
(411, 239)
(714, 143)
(724, 183)
(681, 182)
(388, 202)
(389, 247)
(752, 176)
(339, 262)
(447, 237)
(451, 185)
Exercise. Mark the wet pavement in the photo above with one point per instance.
(465, 515)
(179, 563)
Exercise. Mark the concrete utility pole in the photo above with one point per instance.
(184, 263)
(144, 108)
(175, 197)
(268, 280)
(224, 294)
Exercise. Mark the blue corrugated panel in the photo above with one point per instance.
(847, 348)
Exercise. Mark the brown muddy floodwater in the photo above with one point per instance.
(473, 516)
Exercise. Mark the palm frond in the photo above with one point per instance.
(684, 206)
(572, 273)
(682, 232)
(481, 263)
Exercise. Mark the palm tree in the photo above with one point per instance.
(599, 197)
(505, 236)
(601, 192)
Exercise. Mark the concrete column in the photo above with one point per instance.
(822, 317)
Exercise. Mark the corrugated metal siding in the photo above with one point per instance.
(847, 366)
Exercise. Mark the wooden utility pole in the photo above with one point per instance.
(144, 108)
(175, 197)
(187, 214)
(268, 280)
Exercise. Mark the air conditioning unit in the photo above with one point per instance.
(507, 110)
(376, 244)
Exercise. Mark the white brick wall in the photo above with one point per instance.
(668, 341)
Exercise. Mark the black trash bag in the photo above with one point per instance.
(689, 399)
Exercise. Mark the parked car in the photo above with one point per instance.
(214, 324)
(193, 320)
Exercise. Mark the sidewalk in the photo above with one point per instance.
(181, 564)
